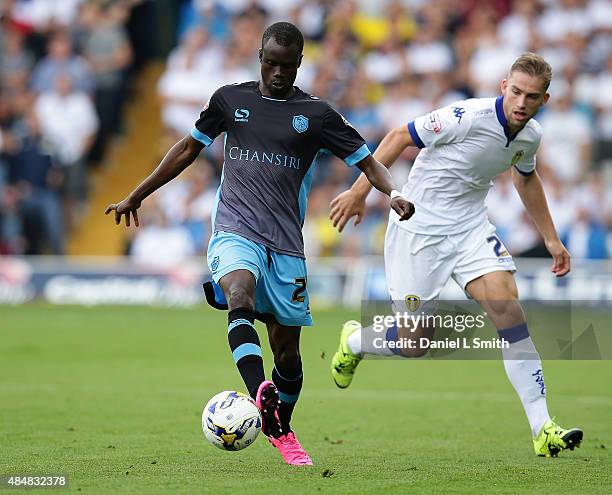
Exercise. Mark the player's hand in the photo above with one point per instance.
(344, 206)
(127, 207)
(561, 257)
(403, 207)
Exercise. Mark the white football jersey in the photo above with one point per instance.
(466, 144)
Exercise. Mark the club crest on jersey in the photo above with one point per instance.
(433, 123)
(517, 157)
(242, 115)
(412, 302)
(300, 123)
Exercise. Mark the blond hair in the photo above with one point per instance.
(534, 65)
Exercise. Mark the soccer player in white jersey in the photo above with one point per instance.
(464, 146)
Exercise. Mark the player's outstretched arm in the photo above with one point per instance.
(347, 205)
(532, 195)
(351, 203)
(389, 149)
(178, 158)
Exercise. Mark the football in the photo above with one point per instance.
(231, 420)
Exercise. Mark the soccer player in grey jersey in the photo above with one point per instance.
(274, 132)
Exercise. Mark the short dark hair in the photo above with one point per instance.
(285, 34)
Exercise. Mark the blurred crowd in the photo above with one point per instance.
(64, 72)
(384, 63)
(380, 63)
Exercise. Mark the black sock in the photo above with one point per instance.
(289, 384)
(244, 344)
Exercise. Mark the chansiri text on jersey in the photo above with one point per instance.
(236, 153)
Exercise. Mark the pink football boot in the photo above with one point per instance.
(286, 442)
(291, 450)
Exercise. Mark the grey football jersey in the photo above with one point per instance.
(271, 147)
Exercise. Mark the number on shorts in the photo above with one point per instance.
(297, 293)
(498, 245)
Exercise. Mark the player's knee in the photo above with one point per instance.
(240, 297)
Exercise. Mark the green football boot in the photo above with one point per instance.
(344, 362)
(553, 439)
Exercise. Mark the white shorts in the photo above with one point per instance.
(420, 265)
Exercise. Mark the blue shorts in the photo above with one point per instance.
(280, 278)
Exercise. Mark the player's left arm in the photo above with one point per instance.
(352, 201)
(344, 141)
(532, 195)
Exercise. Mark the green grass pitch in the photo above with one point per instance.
(113, 397)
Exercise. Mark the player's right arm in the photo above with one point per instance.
(178, 158)
(209, 125)
(352, 202)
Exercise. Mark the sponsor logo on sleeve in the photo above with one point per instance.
(433, 123)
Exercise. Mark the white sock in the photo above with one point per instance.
(524, 370)
(354, 342)
(368, 341)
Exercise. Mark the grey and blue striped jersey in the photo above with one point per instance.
(271, 147)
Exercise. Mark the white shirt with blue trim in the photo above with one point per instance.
(464, 146)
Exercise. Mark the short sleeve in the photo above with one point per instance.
(211, 122)
(443, 126)
(525, 162)
(342, 139)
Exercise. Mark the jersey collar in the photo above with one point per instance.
(501, 117)
(295, 92)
